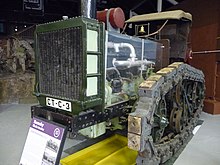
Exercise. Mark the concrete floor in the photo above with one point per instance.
(203, 149)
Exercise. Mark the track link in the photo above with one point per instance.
(152, 111)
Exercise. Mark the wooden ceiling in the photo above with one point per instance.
(143, 6)
(12, 10)
(13, 17)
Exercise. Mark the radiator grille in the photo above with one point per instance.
(60, 63)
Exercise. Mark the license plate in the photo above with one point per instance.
(60, 104)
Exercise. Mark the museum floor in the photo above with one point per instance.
(203, 149)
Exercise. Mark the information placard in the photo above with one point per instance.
(44, 143)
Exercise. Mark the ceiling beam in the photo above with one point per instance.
(138, 5)
(173, 2)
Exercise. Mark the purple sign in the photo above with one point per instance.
(47, 128)
(44, 143)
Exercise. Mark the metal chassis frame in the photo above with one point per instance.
(84, 119)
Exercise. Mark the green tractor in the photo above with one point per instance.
(92, 79)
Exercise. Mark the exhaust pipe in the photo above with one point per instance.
(88, 8)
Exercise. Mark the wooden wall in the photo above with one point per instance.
(205, 36)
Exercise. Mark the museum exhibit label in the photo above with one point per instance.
(44, 143)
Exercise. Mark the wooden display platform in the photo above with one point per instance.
(212, 106)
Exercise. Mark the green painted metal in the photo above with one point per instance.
(97, 101)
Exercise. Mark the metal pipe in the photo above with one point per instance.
(206, 52)
(142, 55)
(88, 8)
(116, 46)
(130, 63)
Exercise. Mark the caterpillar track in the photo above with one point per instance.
(169, 105)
